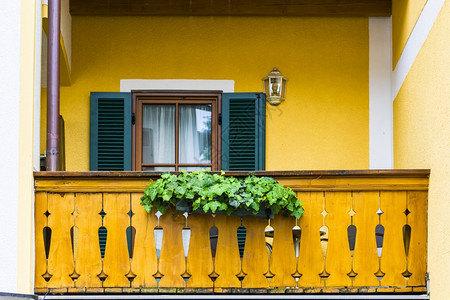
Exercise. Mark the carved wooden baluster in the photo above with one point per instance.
(102, 239)
(47, 239)
(324, 233)
(131, 238)
(213, 239)
(241, 237)
(159, 234)
(74, 237)
(186, 234)
(269, 234)
(407, 241)
(351, 234)
(47, 235)
(379, 236)
(296, 237)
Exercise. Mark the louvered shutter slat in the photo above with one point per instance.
(110, 132)
(243, 131)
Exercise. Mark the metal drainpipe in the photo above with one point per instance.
(54, 20)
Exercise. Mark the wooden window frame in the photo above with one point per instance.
(139, 98)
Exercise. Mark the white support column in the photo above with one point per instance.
(380, 103)
(10, 19)
(25, 123)
(37, 87)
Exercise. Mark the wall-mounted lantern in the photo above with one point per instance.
(275, 87)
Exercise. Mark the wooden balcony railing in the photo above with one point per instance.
(362, 232)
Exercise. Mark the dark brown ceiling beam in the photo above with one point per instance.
(288, 8)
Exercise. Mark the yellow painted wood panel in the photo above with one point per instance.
(144, 257)
(88, 221)
(393, 260)
(311, 261)
(338, 256)
(359, 183)
(365, 261)
(199, 263)
(172, 255)
(228, 263)
(40, 222)
(417, 219)
(90, 185)
(116, 262)
(255, 262)
(60, 220)
(283, 256)
(300, 183)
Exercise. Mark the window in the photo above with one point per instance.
(172, 131)
(175, 131)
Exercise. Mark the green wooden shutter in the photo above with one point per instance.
(110, 138)
(243, 131)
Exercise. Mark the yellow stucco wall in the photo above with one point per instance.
(404, 16)
(43, 131)
(421, 140)
(324, 122)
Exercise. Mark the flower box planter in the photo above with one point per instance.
(220, 194)
(263, 212)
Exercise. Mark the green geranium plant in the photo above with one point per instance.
(218, 193)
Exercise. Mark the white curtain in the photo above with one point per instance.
(195, 134)
(158, 134)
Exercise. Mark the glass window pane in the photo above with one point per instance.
(158, 133)
(195, 134)
(191, 169)
(158, 168)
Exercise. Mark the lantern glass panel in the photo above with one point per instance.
(283, 91)
(275, 86)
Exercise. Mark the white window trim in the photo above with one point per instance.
(128, 85)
